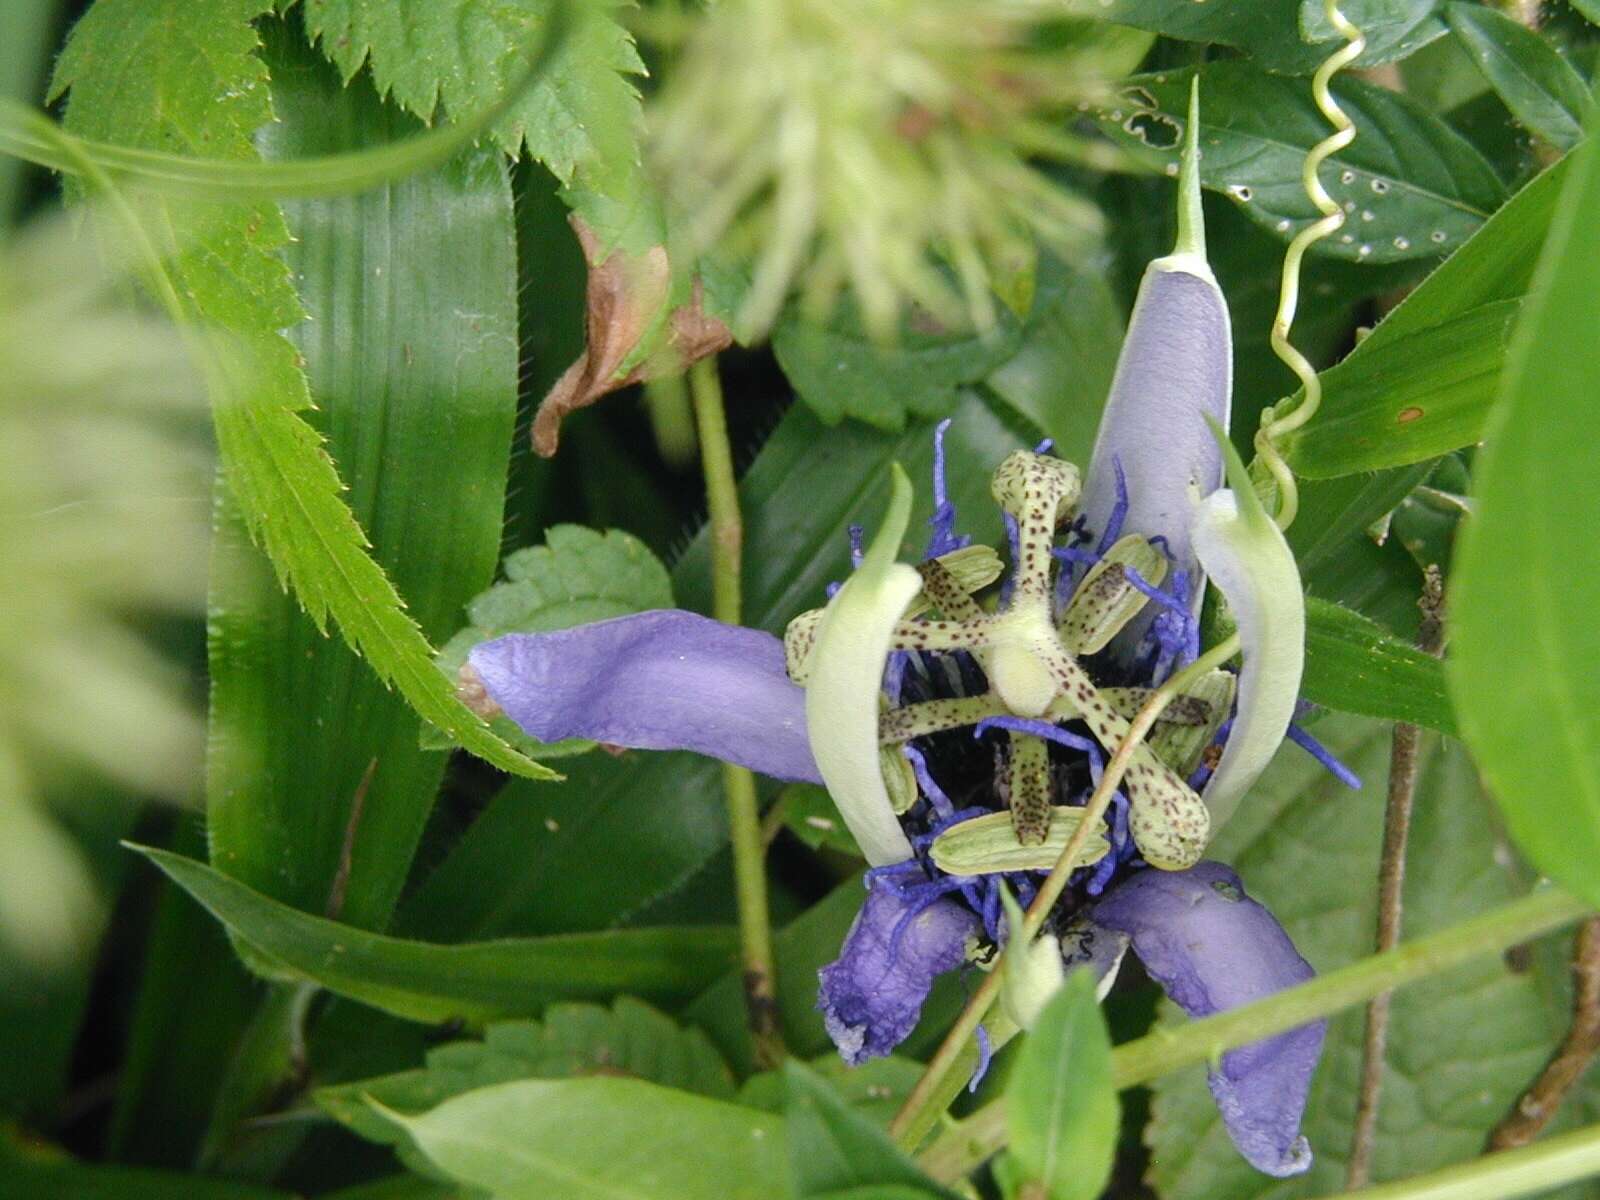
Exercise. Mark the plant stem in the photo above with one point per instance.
(1403, 770)
(932, 1093)
(1500, 1176)
(1536, 1106)
(739, 785)
(972, 1141)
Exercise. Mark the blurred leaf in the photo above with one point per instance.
(838, 369)
(1527, 583)
(580, 119)
(1272, 34)
(578, 576)
(602, 1139)
(1425, 187)
(136, 80)
(37, 1179)
(1461, 1044)
(631, 1038)
(1541, 88)
(1061, 373)
(477, 983)
(1426, 523)
(1353, 665)
(811, 815)
(1413, 398)
(876, 1089)
(625, 831)
(1495, 265)
(832, 1147)
(404, 1187)
(29, 26)
(1061, 1106)
(412, 340)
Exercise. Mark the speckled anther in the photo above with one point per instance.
(1168, 820)
(1030, 789)
(1107, 598)
(799, 639)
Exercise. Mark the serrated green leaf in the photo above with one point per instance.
(1424, 185)
(482, 982)
(1410, 399)
(602, 1139)
(1527, 580)
(1462, 1044)
(135, 80)
(459, 56)
(839, 370)
(1353, 665)
(832, 1147)
(1543, 91)
(1286, 36)
(1061, 1105)
(579, 575)
(573, 1040)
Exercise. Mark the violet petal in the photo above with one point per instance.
(1212, 948)
(873, 993)
(664, 680)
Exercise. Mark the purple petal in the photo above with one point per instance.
(1176, 367)
(873, 994)
(1213, 948)
(665, 680)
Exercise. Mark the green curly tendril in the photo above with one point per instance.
(1274, 426)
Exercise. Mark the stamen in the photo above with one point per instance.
(935, 716)
(947, 594)
(1030, 789)
(942, 635)
(1324, 756)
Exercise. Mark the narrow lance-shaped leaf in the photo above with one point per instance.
(476, 982)
(1527, 581)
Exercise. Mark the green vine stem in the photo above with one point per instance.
(971, 1142)
(1344, 132)
(941, 1081)
(739, 785)
(1502, 1176)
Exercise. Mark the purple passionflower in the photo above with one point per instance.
(961, 738)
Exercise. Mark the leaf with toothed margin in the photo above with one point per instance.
(1244, 554)
(847, 677)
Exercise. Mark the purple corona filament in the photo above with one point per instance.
(1324, 756)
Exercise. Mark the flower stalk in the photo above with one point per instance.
(1162, 1051)
(738, 783)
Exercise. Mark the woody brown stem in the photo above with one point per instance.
(1536, 1106)
(1403, 770)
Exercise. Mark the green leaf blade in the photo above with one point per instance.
(476, 982)
(1061, 1104)
(1353, 665)
(1543, 91)
(602, 1139)
(832, 1147)
(1527, 579)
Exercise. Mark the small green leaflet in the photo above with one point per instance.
(572, 1040)
(601, 1139)
(1425, 186)
(1543, 90)
(475, 982)
(134, 79)
(1061, 1105)
(578, 576)
(1527, 582)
